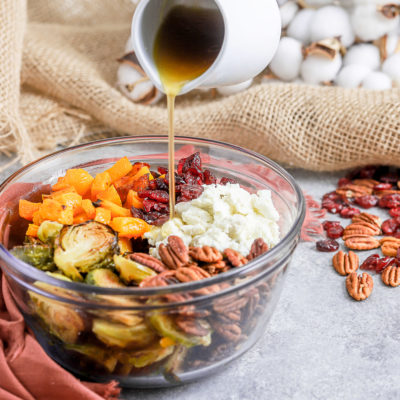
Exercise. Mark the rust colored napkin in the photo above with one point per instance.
(26, 371)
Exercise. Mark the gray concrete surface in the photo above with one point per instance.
(319, 344)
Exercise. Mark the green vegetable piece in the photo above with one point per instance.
(143, 358)
(61, 320)
(165, 326)
(101, 356)
(59, 275)
(114, 334)
(131, 271)
(48, 231)
(104, 278)
(83, 247)
(37, 255)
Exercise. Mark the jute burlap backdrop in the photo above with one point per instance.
(57, 86)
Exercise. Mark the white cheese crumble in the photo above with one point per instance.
(224, 216)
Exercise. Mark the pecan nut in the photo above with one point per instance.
(235, 258)
(366, 227)
(148, 261)
(192, 326)
(391, 275)
(389, 246)
(257, 248)
(369, 183)
(359, 287)
(232, 332)
(189, 274)
(205, 254)
(175, 254)
(381, 193)
(369, 218)
(362, 243)
(216, 268)
(351, 190)
(163, 279)
(345, 264)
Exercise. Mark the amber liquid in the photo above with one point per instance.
(187, 43)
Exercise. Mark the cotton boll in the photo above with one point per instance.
(392, 44)
(363, 54)
(318, 69)
(233, 89)
(288, 11)
(352, 75)
(391, 67)
(299, 28)
(287, 60)
(377, 81)
(369, 24)
(332, 21)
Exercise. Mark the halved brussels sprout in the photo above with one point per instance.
(104, 278)
(174, 364)
(38, 255)
(106, 358)
(131, 271)
(81, 248)
(165, 325)
(113, 334)
(48, 231)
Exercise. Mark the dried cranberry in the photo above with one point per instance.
(367, 172)
(370, 263)
(332, 206)
(161, 184)
(190, 192)
(349, 212)
(390, 200)
(209, 177)
(156, 218)
(327, 245)
(366, 201)
(159, 196)
(191, 179)
(331, 196)
(148, 205)
(137, 213)
(383, 186)
(193, 163)
(329, 224)
(394, 212)
(335, 232)
(161, 207)
(390, 177)
(153, 184)
(225, 180)
(155, 174)
(389, 226)
(343, 182)
(162, 170)
(383, 263)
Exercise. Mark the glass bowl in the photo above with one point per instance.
(103, 333)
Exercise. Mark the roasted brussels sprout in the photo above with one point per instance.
(38, 255)
(81, 248)
(48, 231)
(165, 325)
(174, 364)
(95, 353)
(113, 334)
(103, 277)
(131, 271)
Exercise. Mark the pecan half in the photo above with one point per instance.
(369, 218)
(359, 287)
(235, 258)
(389, 246)
(189, 274)
(230, 303)
(232, 332)
(381, 193)
(345, 264)
(257, 248)
(216, 268)
(351, 190)
(163, 279)
(192, 326)
(175, 254)
(362, 243)
(205, 254)
(148, 261)
(391, 276)
(369, 183)
(360, 229)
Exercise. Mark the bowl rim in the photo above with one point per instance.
(35, 274)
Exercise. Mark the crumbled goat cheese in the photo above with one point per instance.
(224, 216)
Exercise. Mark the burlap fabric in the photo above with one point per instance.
(57, 86)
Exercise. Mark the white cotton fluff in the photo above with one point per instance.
(391, 67)
(369, 24)
(352, 75)
(318, 3)
(329, 22)
(282, 2)
(363, 54)
(392, 44)
(288, 11)
(299, 28)
(317, 69)
(287, 60)
(233, 89)
(377, 80)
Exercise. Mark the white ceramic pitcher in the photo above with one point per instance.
(252, 32)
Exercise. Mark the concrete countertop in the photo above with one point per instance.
(319, 344)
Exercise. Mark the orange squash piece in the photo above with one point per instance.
(69, 199)
(143, 171)
(37, 219)
(129, 227)
(116, 211)
(110, 194)
(101, 183)
(125, 245)
(81, 218)
(121, 168)
(133, 200)
(27, 209)
(76, 177)
(103, 215)
(136, 167)
(88, 208)
(52, 210)
(32, 230)
(66, 189)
